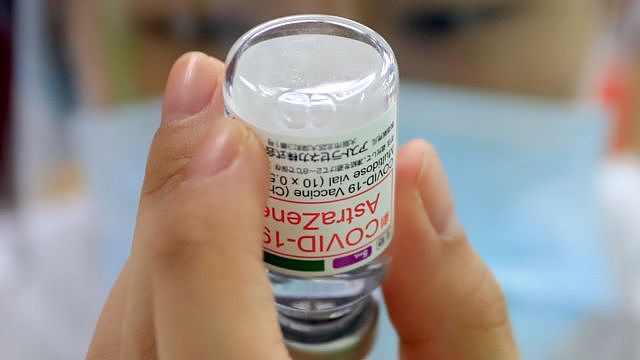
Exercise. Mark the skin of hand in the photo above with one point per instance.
(195, 287)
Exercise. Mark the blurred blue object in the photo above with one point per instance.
(112, 147)
(523, 172)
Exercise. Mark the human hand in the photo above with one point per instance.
(195, 287)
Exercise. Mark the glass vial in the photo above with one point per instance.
(321, 92)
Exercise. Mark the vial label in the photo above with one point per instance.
(330, 208)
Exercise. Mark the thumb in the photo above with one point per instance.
(197, 286)
(126, 326)
(201, 233)
(210, 289)
(194, 286)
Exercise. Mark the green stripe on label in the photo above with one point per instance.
(293, 264)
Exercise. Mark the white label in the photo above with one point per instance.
(330, 208)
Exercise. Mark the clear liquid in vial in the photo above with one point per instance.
(313, 86)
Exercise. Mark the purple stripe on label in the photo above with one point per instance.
(351, 259)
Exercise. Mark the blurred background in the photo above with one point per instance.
(534, 107)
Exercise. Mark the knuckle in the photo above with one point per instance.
(487, 302)
(182, 235)
(166, 177)
(491, 304)
(480, 294)
(172, 148)
(194, 224)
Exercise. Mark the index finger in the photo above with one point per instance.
(442, 298)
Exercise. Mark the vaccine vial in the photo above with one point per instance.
(321, 92)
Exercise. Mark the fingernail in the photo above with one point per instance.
(219, 149)
(436, 194)
(191, 84)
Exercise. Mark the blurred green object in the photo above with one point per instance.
(120, 48)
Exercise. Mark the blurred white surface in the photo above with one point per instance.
(620, 184)
(50, 301)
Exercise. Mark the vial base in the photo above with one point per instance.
(325, 298)
(349, 337)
